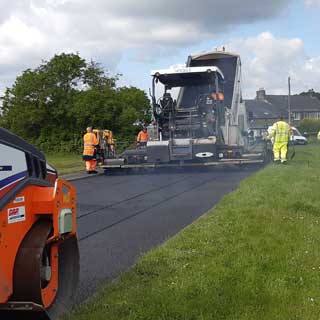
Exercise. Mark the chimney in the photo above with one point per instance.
(261, 94)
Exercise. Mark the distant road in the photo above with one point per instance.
(120, 217)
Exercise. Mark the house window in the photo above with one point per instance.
(296, 115)
(312, 115)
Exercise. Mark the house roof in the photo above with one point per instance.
(302, 103)
(264, 110)
(275, 105)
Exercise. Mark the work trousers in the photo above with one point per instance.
(91, 165)
(280, 150)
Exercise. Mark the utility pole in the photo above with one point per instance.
(289, 102)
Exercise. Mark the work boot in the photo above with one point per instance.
(93, 171)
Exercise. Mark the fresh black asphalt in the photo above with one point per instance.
(122, 216)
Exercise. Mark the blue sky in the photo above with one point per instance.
(275, 38)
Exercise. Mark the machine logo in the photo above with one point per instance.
(5, 168)
(17, 214)
(204, 155)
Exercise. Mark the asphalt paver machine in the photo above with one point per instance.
(39, 256)
(199, 116)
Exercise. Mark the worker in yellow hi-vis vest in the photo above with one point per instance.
(281, 132)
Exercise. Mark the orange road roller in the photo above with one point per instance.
(39, 255)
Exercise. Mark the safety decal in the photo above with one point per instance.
(17, 214)
(18, 199)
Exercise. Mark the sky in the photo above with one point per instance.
(275, 38)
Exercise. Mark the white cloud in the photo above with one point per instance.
(18, 39)
(267, 62)
(33, 30)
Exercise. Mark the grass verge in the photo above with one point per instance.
(66, 163)
(255, 256)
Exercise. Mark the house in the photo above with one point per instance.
(265, 109)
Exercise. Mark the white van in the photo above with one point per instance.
(297, 137)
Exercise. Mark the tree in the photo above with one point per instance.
(135, 108)
(311, 93)
(51, 105)
(95, 77)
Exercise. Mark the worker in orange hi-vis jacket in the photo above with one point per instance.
(143, 137)
(90, 142)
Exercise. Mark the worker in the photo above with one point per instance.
(280, 132)
(143, 137)
(90, 142)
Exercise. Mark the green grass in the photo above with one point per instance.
(254, 256)
(66, 163)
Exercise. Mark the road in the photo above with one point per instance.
(120, 217)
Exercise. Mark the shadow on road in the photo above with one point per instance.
(181, 170)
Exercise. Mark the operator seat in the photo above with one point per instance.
(167, 103)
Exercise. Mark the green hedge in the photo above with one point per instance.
(310, 126)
